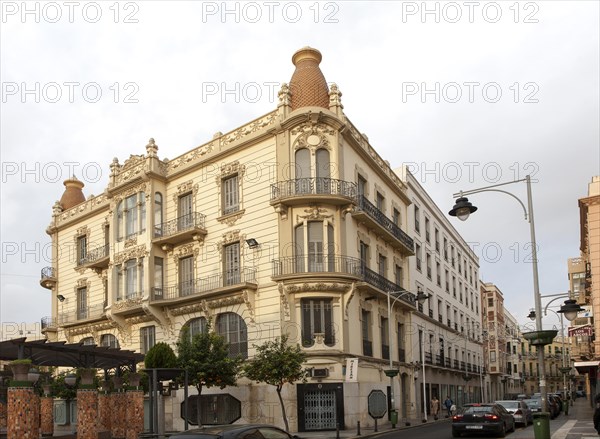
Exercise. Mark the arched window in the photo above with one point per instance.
(195, 326)
(323, 172)
(87, 341)
(110, 341)
(119, 221)
(131, 216)
(233, 328)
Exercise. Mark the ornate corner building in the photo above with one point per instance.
(290, 224)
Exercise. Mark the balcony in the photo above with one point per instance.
(447, 363)
(449, 323)
(310, 190)
(455, 364)
(81, 315)
(440, 318)
(48, 324)
(130, 303)
(430, 313)
(381, 283)
(300, 266)
(96, 259)
(215, 284)
(183, 229)
(428, 359)
(48, 278)
(463, 366)
(369, 214)
(439, 360)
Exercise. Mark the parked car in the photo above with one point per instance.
(481, 419)
(235, 431)
(534, 404)
(520, 411)
(580, 393)
(558, 399)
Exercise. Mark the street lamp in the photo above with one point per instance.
(462, 210)
(569, 309)
(420, 297)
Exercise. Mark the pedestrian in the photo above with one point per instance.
(435, 407)
(597, 414)
(448, 404)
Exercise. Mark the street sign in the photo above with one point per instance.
(581, 330)
(377, 404)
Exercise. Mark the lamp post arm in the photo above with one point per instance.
(476, 191)
(558, 296)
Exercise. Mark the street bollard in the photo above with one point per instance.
(337, 431)
(358, 428)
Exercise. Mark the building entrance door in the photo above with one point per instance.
(320, 407)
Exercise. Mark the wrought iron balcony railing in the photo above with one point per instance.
(81, 313)
(204, 285)
(48, 273)
(317, 263)
(48, 323)
(194, 220)
(313, 186)
(385, 222)
(95, 255)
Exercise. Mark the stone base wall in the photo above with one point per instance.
(23, 415)
(87, 414)
(2, 415)
(118, 418)
(104, 412)
(134, 413)
(47, 416)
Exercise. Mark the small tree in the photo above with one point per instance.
(206, 358)
(277, 363)
(161, 355)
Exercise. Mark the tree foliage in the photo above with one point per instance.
(161, 355)
(276, 363)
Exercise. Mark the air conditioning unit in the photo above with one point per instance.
(320, 373)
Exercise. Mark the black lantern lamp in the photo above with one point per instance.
(462, 209)
(570, 309)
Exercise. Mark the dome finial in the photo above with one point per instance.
(308, 87)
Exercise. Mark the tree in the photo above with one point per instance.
(206, 358)
(160, 356)
(277, 363)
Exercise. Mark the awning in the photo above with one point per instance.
(585, 366)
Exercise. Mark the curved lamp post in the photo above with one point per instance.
(462, 210)
(420, 297)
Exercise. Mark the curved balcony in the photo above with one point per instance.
(48, 324)
(318, 264)
(310, 190)
(369, 214)
(184, 228)
(48, 278)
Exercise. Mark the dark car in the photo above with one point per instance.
(552, 407)
(534, 404)
(558, 399)
(482, 419)
(235, 431)
(520, 411)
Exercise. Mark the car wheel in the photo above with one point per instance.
(503, 431)
(455, 433)
(513, 426)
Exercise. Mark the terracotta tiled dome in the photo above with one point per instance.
(73, 194)
(308, 86)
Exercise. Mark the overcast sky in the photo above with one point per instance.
(467, 94)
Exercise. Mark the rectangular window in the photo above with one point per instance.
(427, 234)
(438, 274)
(428, 262)
(364, 255)
(401, 348)
(381, 265)
(366, 332)
(131, 281)
(158, 277)
(186, 276)
(418, 256)
(232, 264)
(399, 276)
(379, 202)
(447, 280)
(396, 217)
(185, 216)
(81, 250)
(417, 219)
(230, 194)
(361, 186)
(437, 241)
(147, 339)
(119, 289)
(317, 318)
(82, 308)
(385, 340)
(445, 249)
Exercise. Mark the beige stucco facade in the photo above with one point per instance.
(169, 244)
